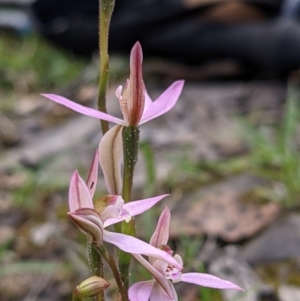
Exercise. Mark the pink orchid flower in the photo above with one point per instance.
(136, 106)
(116, 210)
(91, 223)
(161, 288)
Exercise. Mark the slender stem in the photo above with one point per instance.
(112, 264)
(96, 266)
(130, 147)
(125, 258)
(105, 11)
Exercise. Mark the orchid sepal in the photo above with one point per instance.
(92, 178)
(161, 234)
(82, 109)
(79, 194)
(135, 208)
(164, 103)
(89, 222)
(208, 280)
(141, 291)
(159, 277)
(133, 245)
(135, 88)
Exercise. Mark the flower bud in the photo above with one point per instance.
(89, 222)
(91, 287)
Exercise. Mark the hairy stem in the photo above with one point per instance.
(112, 264)
(96, 266)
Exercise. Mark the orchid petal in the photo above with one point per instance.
(133, 245)
(134, 208)
(104, 202)
(161, 234)
(148, 101)
(111, 221)
(119, 92)
(178, 259)
(92, 178)
(140, 206)
(119, 202)
(164, 103)
(113, 210)
(79, 194)
(110, 213)
(110, 158)
(208, 280)
(140, 291)
(84, 110)
(158, 294)
(157, 273)
(160, 266)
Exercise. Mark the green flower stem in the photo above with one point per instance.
(105, 11)
(96, 266)
(125, 258)
(130, 148)
(112, 264)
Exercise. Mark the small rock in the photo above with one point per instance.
(232, 267)
(289, 293)
(12, 217)
(6, 235)
(42, 233)
(87, 93)
(28, 104)
(8, 132)
(16, 286)
(13, 180)
(218, 211)
(280, 241)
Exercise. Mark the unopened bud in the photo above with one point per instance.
(91, 287)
